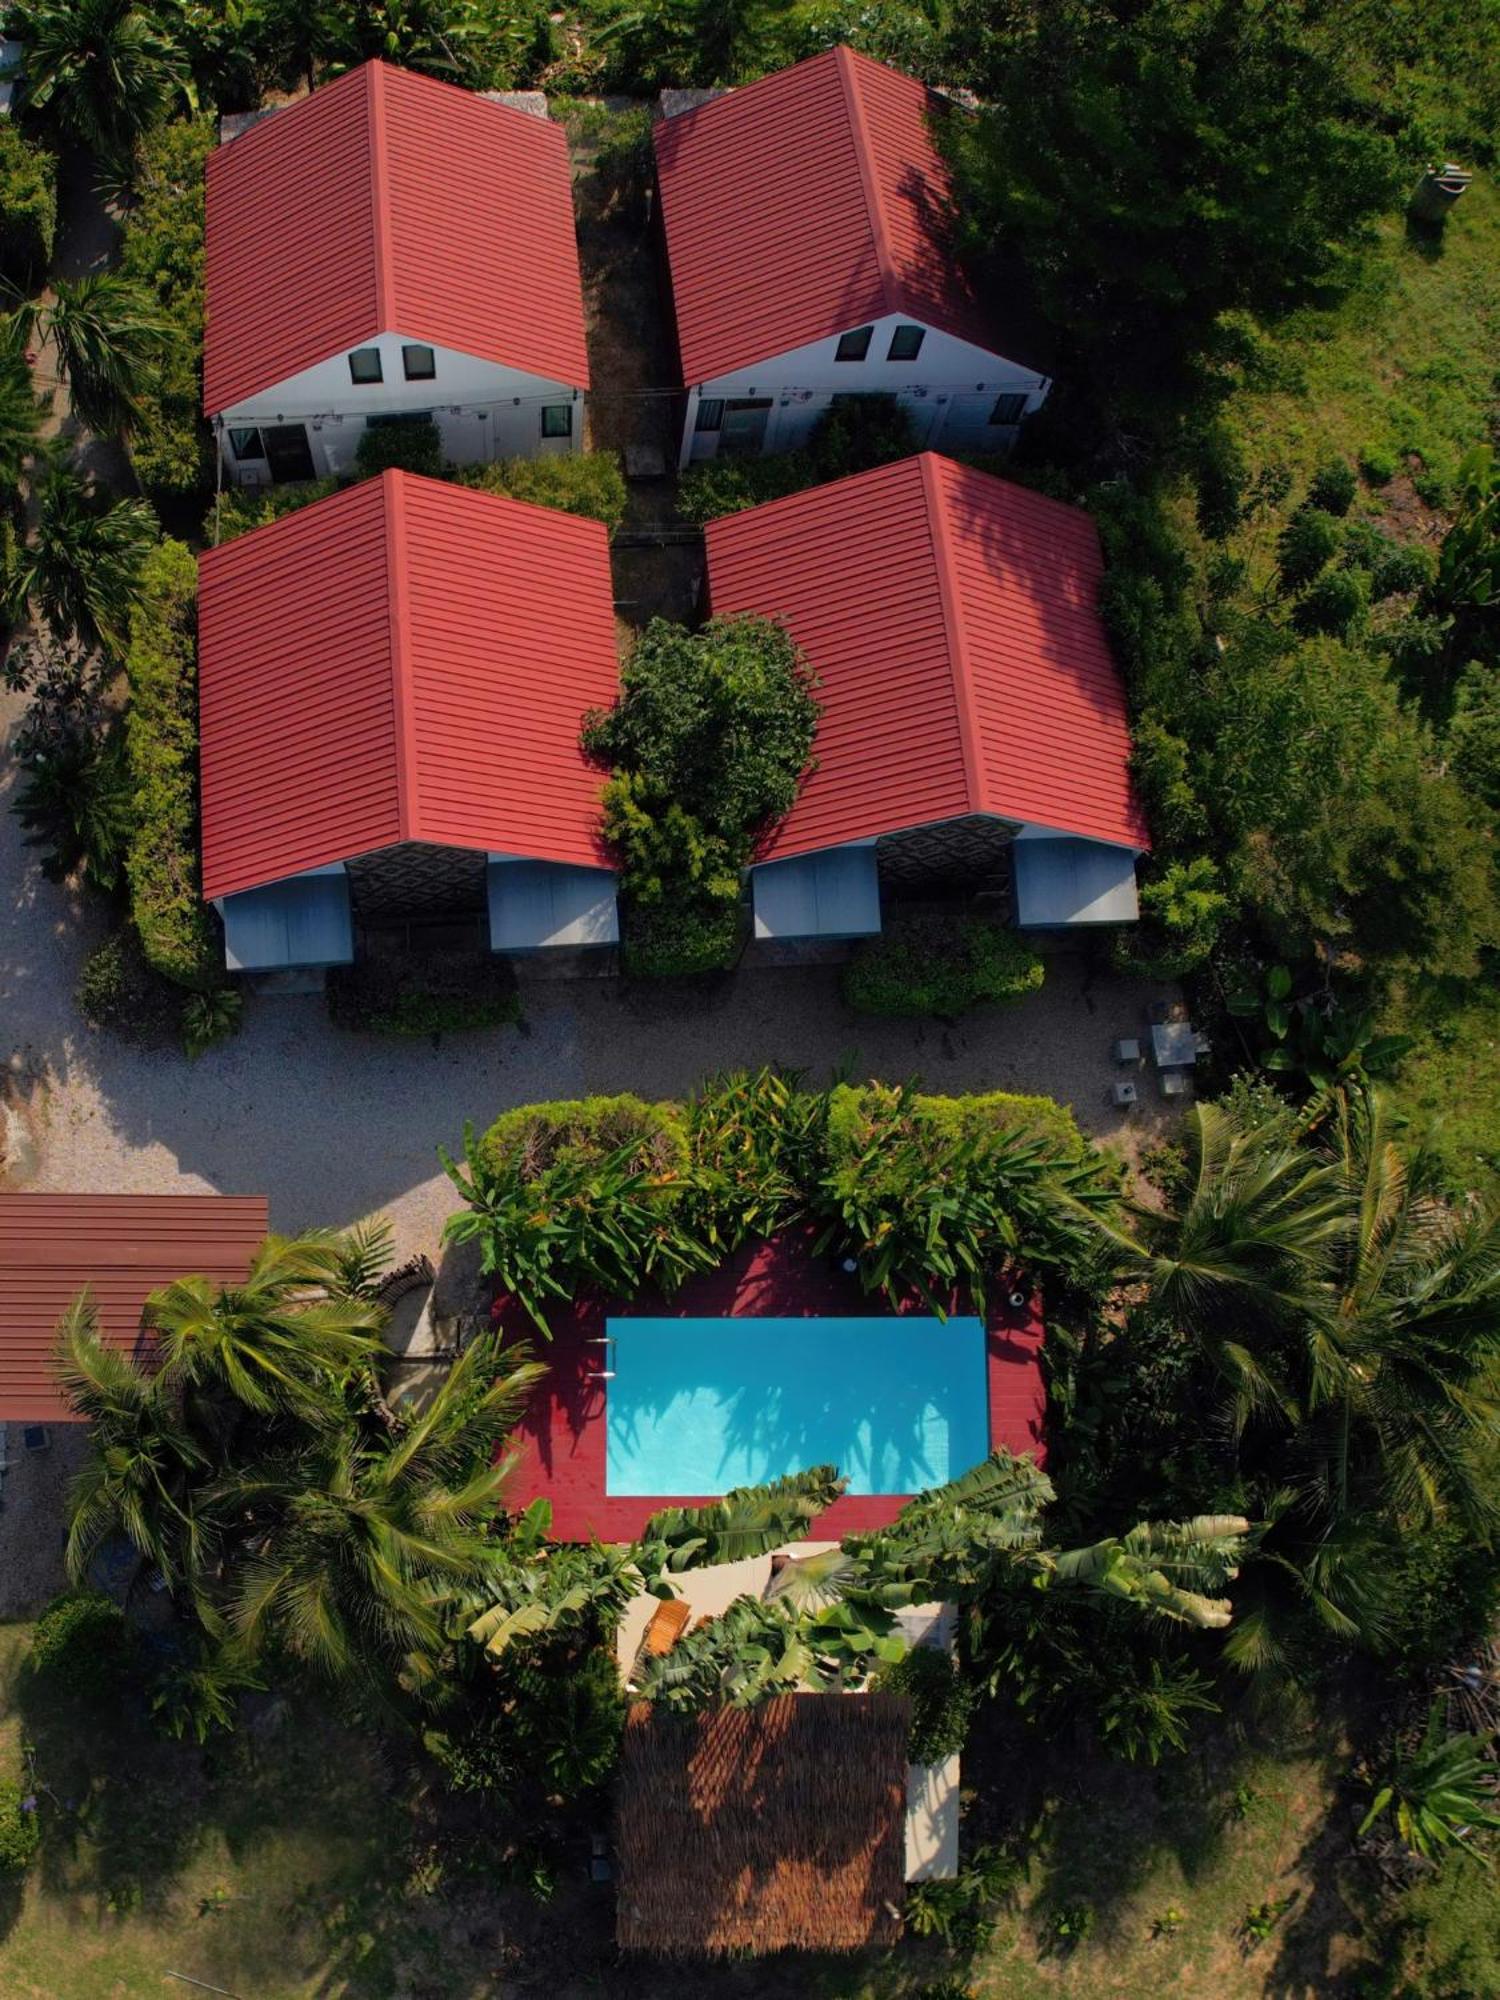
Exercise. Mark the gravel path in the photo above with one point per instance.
(333, 1126)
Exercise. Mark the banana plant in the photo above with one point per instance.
(1441, 1794)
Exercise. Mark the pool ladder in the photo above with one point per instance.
(605, 1340)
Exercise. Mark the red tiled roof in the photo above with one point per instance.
(389, 203)
(952, 620)
(122, 1247)
(405, 660)
(810, 202)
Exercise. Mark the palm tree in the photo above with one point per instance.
(108, 335)
(21, 412)
(279, 1341)
(98, 72)
(77, 800)
(145, 1468)
(81, 566)
(355, 1548)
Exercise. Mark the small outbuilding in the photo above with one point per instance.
(974, 733)
(391, 684)
(773, 1828)
(809, 231)
(391, 249)
(119, 1248)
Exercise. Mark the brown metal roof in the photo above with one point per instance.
(122, 1247)
(774, 1828)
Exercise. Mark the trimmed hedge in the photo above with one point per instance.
(177, 934)
(28, 208)
(581, 482)
(673, 940)
(241, 508)
(79, 1643)
(956, 1119)
(172, 450)
(414, 447)
(575, 1130)
(936, 965)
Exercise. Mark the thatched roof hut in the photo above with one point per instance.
(763, 1829)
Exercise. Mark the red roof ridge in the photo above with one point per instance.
(385, 276)
(393, 502)
(890, 275)
(935, 500)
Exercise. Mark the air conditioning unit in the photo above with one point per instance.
(252, 475)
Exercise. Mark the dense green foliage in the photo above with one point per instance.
(578, 482)
(80, 567)
(1167, 174)
(121, 994)
(20, 1828)
(708, 742)
(929, 1197)
(240, 508)
(407, 446)
(78, 1641)
(97, 72)
(849, 437)
(176, 931)
(28, 208)
(936, 965)
(587, 1131)
(434, 993)
(941, 1702)
(162, 252)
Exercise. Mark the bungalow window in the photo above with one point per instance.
(394, 417)
(906, 343)
(247, 444)
(854, 346)
(710, 414)
(364, 365)
(557, 420)
(1008, 409)
(420, 363)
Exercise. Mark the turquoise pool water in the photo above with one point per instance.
(701, 1405)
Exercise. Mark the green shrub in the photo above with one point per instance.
(718, 486)
(667, 940)
(992, 1113)
(1473, 741)
(402, 445)
(1183, 910)
(666, 853)
(20, 1828)
(858, 434)
(720, 720)
(176, 931)
(171, 449)
(121, 994)
(28, 208)
(577, 1130)
(848, 437)
(1378, 464)
(935, 965)
(1334, 604)
(1221, 475)
(942, 1702)
(1333, 487)
(208, 1018)
(435, 993)
(78, 1644)
(579, 482)
(1307, 543)
(1395, 569)
(241, 508)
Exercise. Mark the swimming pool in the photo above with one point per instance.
(700, 1405)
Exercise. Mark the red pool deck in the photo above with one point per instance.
(562, 1437)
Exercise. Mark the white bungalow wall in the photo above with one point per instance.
(949, 391)
(482, 411)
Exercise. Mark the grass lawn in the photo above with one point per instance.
(296, 1861)
(1405, 365)
(1449, 1086)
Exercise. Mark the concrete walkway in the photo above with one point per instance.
(333, 1126)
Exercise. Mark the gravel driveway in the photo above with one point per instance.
(333, 1126)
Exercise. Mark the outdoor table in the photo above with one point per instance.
(1174, 1044)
